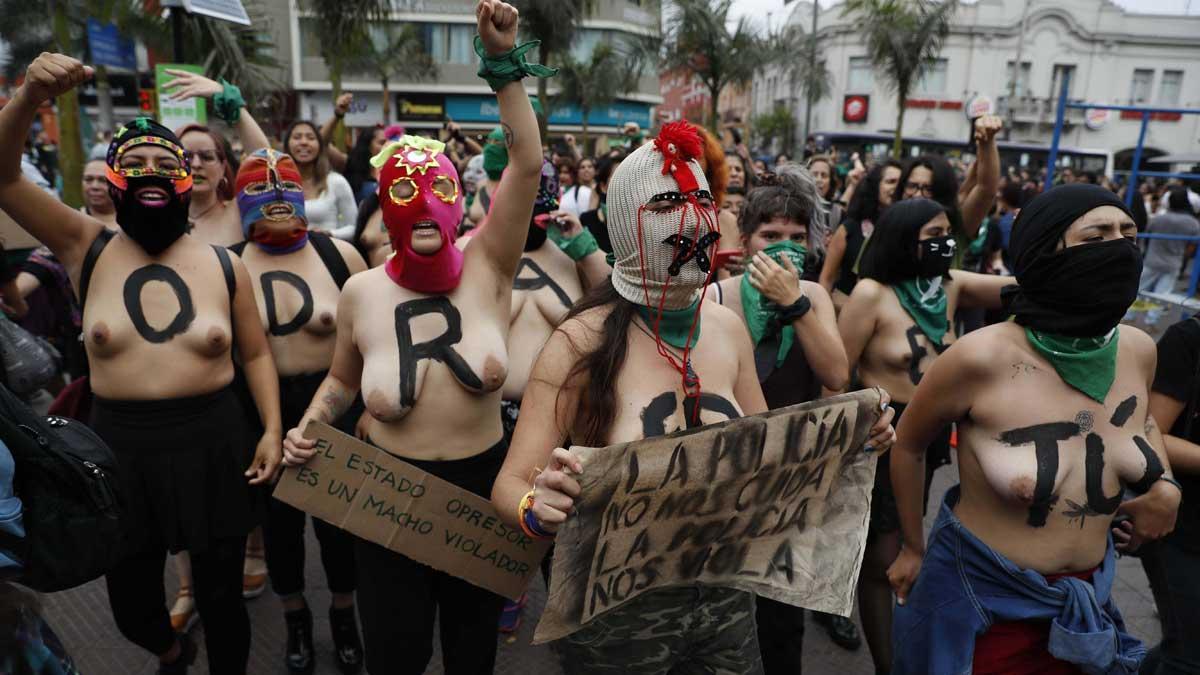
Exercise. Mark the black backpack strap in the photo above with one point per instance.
(331, 256)
(238, 248)
(89, 261)
(227, 270)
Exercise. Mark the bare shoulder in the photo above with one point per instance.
(1141, 344)
(988, 349)
(359, 285)
(584, 329)
(867, 291)
(814, 290)
(727, 286)
(727, 321)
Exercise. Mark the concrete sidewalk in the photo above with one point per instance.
(82, 619)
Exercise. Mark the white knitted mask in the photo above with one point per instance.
(662, 259)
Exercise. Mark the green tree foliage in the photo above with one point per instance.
(699, 41)
(775, 125)
(902, 37)
(339, 25)
(395, 49)
(555, 23)
(594, 82)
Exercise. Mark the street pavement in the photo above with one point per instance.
(83, 621)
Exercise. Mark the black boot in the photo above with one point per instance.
(187, 656)
(347, 647)
(299, 656)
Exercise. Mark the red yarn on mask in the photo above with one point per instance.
(679, 143)
(690, 378)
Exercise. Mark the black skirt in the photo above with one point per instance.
(885, 516)
(181, 467)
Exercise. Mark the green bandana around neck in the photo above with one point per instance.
(762, 314)
(675, 324)
(975, 248)
(1087, 364)
(925, 302)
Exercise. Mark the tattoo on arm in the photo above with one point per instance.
(509, 136)
(334, 402)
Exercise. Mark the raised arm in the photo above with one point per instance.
(832, 267)
(337, 158)
(980, 291)
(227, 101)
(502, 239)
(979, 200)
(64, 230)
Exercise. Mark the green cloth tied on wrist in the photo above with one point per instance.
(228, 103)
(578, 247)
(510, 66)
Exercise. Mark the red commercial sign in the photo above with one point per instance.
(855, 108)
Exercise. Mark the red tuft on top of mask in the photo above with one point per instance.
(680, 142)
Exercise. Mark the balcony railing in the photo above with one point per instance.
(1035, 110)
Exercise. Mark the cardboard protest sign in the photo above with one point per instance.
(366, 491)
(776, 504)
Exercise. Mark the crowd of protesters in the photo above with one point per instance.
(985, 302)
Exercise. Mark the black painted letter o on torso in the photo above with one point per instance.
(133, 302)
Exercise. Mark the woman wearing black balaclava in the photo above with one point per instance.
(163, 316)
(895, 324)
(1052, 420)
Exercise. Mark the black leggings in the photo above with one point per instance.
(398, 597)
(780, 636)
(283, 532)
(283, 536)
(138, 601)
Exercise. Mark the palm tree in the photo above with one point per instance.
(403, 52)
(700, 42)
(903, 37)
(808, 76)
(592, 83)
(555, 23)
(339, 25)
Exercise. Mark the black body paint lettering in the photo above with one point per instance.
(655, 414)
(306, 308)
(440, 348)
(1094, 463)
(133, 302)
(918, 353)
(1045, 439)
(538, 281)
(1124, 411)
(1154, 467)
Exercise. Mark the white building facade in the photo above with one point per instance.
(1112, 56)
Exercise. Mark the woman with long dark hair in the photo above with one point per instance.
(162, 315)
(644, 335)
(896, 322)
(328, 197)
(359, 172)
(869, 200)
(932, 177)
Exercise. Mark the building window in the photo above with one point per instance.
(861, 79)
(585, 43)
(933, 78)
(1170, 87)
(434, 35)
(1061, 71)
(1022, 78)
(462, 50)
(1139, 89)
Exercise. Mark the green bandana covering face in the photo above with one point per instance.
(495, 158)
(760, 312)
(1087, 364)
(675, 324)
(925, 302)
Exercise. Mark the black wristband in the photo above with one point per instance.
(795, 310)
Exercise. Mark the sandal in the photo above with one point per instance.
(254, 574)
(183, 612)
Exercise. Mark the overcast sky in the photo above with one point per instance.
(758, 10)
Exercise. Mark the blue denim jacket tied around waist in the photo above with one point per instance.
(965, 586)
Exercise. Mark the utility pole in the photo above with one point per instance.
(1016, 74)
(812, 56)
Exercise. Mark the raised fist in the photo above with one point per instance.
(342, 105)
(51, 75)
(497, 26)
(987, 127)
